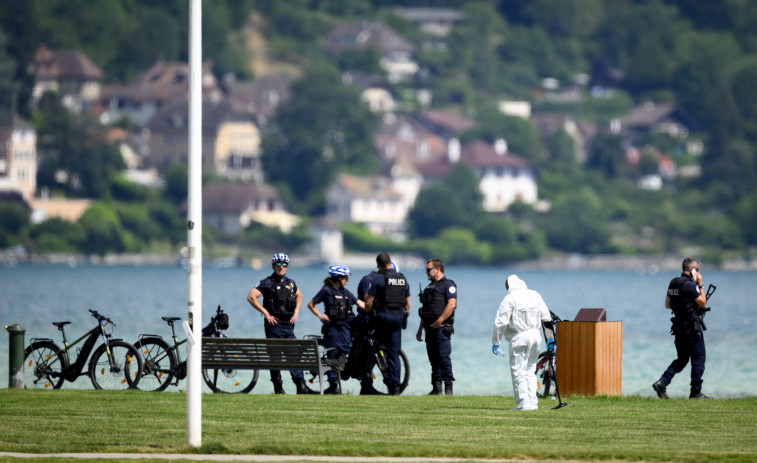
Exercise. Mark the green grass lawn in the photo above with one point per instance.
(589, 428)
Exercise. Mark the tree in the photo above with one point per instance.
(606, 154)
(303, 152)
(74, 155)
(454, 201)
(578, 222)
(102, 228)
(14, 218)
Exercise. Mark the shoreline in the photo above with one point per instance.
(606, 262)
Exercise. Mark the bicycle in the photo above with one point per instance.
(366, 352)
(545, 366)
(163, 365)
(115, 364)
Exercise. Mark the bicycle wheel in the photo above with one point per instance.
(230, 381)
(119, 368)
(381, 370)
(43, 366)
(545, 376)
(160, 364)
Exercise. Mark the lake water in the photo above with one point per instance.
(136, 297)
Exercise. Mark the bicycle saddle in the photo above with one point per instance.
(170, 320)
(60, 325)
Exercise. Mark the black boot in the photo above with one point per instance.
(278, 387)
(447, 388)
(302, 388)
(661, 389)
(394, 389)
(366, 388)
(333, 388)
(436, 388)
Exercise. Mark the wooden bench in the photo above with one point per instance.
(264, 354)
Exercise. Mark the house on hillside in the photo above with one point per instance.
(165, 82)
(434, 21)
(18, 157)
(237, 150)
(396, 52)
(164, 139)
(230, 208)
(504, 177)
(371, 201)
(375, 92)
(650, 118)
(260, 98)
(71, 74)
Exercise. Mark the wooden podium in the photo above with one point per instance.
(589, 358)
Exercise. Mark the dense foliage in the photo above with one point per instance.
(702, 56)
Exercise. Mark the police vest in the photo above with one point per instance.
(281, 300)
(434, 303)
(338, 306)
(684, 308)
(392, 295)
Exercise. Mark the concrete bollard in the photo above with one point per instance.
(15, 356)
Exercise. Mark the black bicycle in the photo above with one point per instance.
(366, 356)
(163, 365)
(115, 364)
(545, 366)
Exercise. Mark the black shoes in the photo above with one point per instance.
(333, 388)
(437, 388)
(448, 388)
(302, 388)
(699, 395)
(661, 389)
(278, 387)
(367, 388)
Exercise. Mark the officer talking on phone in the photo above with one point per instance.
(686, 299)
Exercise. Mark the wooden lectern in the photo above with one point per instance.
(589, 355)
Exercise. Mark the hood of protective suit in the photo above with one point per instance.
(514, 283)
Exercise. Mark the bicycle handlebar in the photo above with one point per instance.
(101, 318)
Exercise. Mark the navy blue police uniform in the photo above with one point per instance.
(280, 300)
(438, 340)
(687, 329)
(337, 331)
(390, 290)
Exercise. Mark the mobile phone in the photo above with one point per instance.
(694, 273)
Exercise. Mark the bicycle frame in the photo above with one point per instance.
(72, 370)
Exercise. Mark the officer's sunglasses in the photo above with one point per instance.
(282, 264)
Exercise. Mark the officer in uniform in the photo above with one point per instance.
(281, 306)
(337, 317)
(437, 314)
(686, 299)
(388, 302)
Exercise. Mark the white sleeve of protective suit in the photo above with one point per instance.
(549, 332)
(504, 312)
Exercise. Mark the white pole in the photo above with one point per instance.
(194, 227)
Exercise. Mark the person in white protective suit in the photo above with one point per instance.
(519, 320)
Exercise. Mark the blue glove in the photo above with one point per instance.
(550, 345)
(495, 349)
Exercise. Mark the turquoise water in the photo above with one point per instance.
(136, 297)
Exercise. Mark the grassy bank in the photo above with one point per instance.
(627, 428)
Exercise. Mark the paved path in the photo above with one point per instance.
(259, 458)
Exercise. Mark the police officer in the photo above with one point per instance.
(685, 298)
(437, 314)
(388, 302)
(337, 317)
(281, 306)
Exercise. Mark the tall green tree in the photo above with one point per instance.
(454, 201)
(325, 129)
